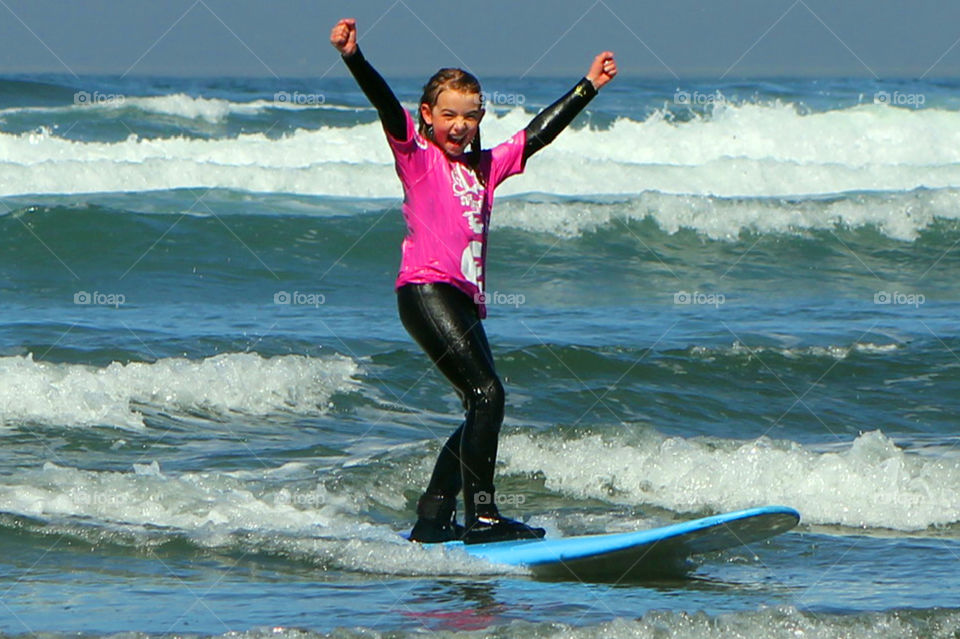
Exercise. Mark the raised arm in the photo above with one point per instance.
(343, 37)
(551, 121)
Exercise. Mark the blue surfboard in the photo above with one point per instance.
(644, 552)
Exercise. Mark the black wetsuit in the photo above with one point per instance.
(445, 323)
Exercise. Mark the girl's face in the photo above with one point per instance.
(455, 119)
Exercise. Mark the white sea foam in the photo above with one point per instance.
(218, 509)
(780, 622)
(900, 216)
(748, 150)
(870, 483)
(832, 351)
(181, 105)
(217, 109)
(761, 168)
(185, 106)
(78, 395)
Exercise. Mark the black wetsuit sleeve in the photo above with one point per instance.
(379, 94)
(551, 121)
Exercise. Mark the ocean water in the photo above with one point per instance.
(703, 297)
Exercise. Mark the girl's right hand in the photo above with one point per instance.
(343, 37)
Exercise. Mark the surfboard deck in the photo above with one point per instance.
(641, 553)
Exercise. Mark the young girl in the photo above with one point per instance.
(448, 194)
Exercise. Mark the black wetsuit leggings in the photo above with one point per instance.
(444, 321)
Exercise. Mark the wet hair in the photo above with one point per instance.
(457, 80)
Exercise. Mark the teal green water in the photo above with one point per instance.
(214, 424)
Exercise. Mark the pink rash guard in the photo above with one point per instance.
(447, 210)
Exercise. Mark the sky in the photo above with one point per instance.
(721, 39)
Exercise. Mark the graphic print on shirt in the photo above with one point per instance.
(470, 192)
(447, 210)
(471, 264)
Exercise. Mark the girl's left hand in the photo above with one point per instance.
(603, 69)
